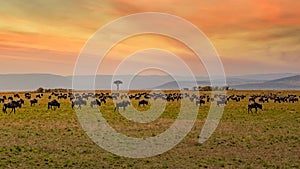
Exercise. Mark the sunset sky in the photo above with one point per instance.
(251, 36)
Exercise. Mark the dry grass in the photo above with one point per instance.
(35, 137)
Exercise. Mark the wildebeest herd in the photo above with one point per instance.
(122, 100)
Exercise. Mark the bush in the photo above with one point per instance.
(40, 90)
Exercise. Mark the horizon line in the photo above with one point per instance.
(231, 75)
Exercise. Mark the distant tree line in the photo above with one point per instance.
(42, 90)
(210, 88)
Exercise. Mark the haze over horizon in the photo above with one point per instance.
(236, 75)
(251, 36)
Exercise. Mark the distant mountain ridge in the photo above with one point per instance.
(291, 79)
(287, 83)
(266, 77)
(22, 82)
(16, 82)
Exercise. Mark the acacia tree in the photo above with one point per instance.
(117, 83)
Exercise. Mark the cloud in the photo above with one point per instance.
(248, 31)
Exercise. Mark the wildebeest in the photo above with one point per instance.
(103, 100)
(33, 102)
(62, 96)
(221, 102)
(147, 96)
(95, 102)
(78, 102)
(13, 105)
(254, 106)
(263, 99)
(21, 101)
(199, 102)
(143, 102)
(251, 99)
(27, 95)
(293, 99)
(280, 99)
(237, 99)
(1, 100)
(123, 104)
(54, 103)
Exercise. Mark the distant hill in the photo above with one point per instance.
(286, 83)
(291, 83)
(265, 77)
(293, 80)
(21, 82)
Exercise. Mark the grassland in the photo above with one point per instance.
(36, 137)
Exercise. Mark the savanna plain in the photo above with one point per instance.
(38, 137)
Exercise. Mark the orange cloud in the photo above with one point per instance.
(250, 30)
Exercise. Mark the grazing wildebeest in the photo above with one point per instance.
(207, 99)
(251, 99)
(263, 99)
(62, 96)
(103, 100)
(293, 99)
(27, 95)
(143, 102)
(78, 102)
(199, 102)
(33, 102)
(13, 105)
(147, 96)
(254, 106)
(278, 99)
(191, 99)
(95, 102)
(123, 104)
(1, 100)
(221, 102)
(237, 99)
(54, 103)
(21, 101)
